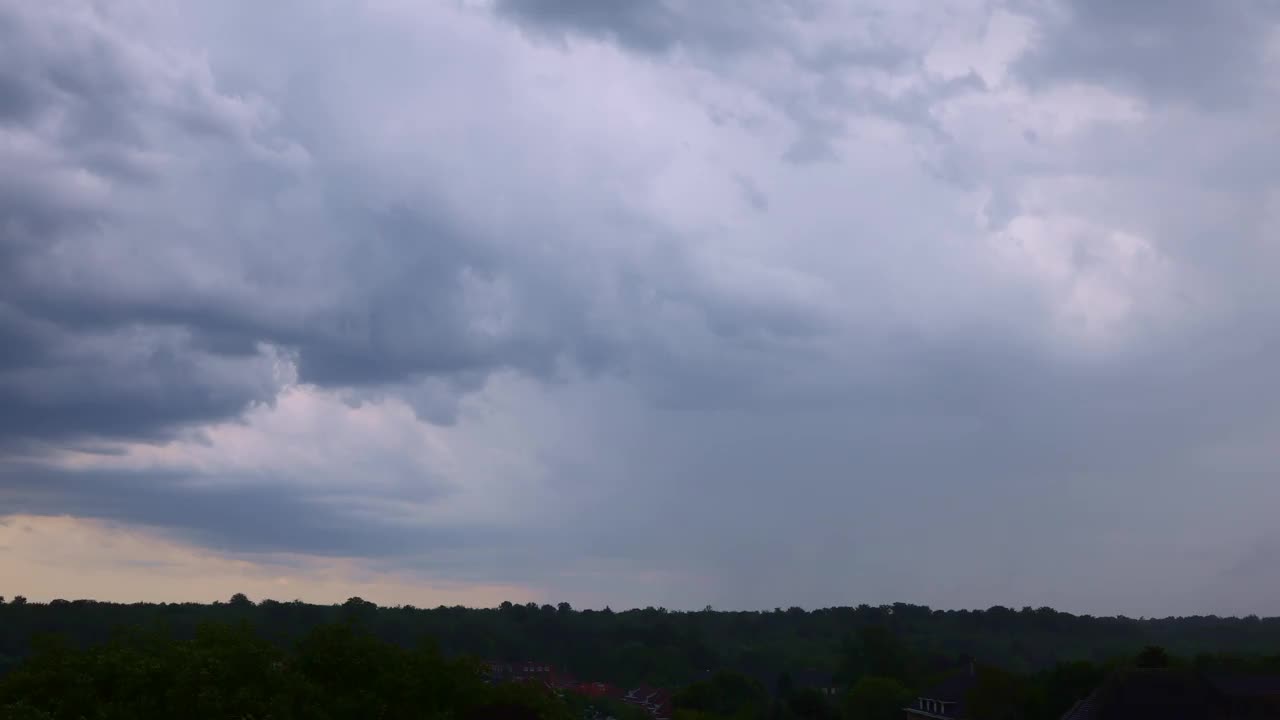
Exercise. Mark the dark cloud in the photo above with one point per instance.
(236, 513)
(657, 26)
(714, 27)
(110, 332)
(1185, 51)
(60, 383)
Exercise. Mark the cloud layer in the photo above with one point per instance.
(658, 302)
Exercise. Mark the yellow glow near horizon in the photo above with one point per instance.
(45, 558)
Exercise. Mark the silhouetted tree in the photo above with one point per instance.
(1152, 656)
(999, 695)
(875, 698)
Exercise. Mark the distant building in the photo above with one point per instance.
(1250, 695)
(823, 682)
(597, 689)
(1180, 694)
(518, 672)
(655, 701)
(500, 712)
(944, 701)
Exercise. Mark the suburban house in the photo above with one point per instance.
(528, 671)
(500, 712)
(1180, 694)
(1250, 695)
(945, 700)
(596, 689)
(822, 682)
(655, 701)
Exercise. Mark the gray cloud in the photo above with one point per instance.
(657, 26)
(589, 271)
(98, 302)
(1210, 54)
(737, 37)
(241, 514)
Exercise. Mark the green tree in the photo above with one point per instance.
(1001, 695)
(875, 698)
(1152, 656)
(875, 651)
(725, 694)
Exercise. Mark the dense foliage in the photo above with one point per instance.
(672, 648)
(272, 659)
(335, 671)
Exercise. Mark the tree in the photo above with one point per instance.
(874, 651)
(810, 704)
(227, 671)
(18, 600)
(726, 694)
(876, 698)
(1152, 656)
(240, 600)
(999, 695)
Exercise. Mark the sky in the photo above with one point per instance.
(741, 303)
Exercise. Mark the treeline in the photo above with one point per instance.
(673, 649)
(340, 671)
(335, 671)
(291, 660)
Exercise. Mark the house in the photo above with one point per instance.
(500, 712)
(597, 689)
(1250, 696)
(945, 700)
(1180, 694)
(517, 672)
(822, 682)
(655, 701)
(1158, 694)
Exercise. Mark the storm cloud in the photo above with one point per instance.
(658, 302)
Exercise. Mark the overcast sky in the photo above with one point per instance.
(748, 303)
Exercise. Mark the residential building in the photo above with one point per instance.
(946, 700)
(823, 682)
(1181, 694)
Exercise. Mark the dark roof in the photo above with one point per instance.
(503, 711)
(952, 690)
(1165, 694)
(1247, 685)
